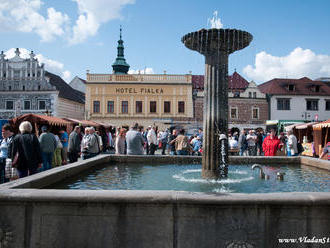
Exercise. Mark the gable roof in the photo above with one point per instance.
(65, 90)
(302, 86)
(235, 81)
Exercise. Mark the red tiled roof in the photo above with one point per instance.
(235, 81)
(302, 86)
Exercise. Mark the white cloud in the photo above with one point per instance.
(92, 13)
(299, 63)
(215, 21)
(50, 65)
(25, 16)
(146, 70)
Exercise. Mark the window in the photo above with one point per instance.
(23, 87)
(27, 105)
(250, 95)
(9, 87)
(254, 94)
(111, 107)
(9, 105)
(96, 106)
(236, 94)
(42, 104)
(138, 106)
(124, 107)
(39, 87)
(167, 107)
(315, 88)
(327, 105)
(181, 107)
(153, 107)
(312, 104)
(255, 113)
(283, 104)
(233, 113)
(291, 87)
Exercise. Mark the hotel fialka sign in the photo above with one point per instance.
(142, 91)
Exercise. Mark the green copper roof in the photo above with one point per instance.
(120, 66)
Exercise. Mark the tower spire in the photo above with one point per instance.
(120, 66)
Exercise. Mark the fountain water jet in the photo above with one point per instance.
(216, 45)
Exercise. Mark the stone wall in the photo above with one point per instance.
(32, 217)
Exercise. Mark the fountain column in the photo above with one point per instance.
(216, 45)
(215, 157)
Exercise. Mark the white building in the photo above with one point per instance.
(25, 87)
(297, 99)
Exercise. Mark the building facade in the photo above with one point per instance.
(248, 107)
(297, 99)
(161, 100)
(25, 87)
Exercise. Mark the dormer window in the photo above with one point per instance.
(315, 88)
(254, 94)
(250, 95)
(291, 87)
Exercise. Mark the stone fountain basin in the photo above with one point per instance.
(35, 217)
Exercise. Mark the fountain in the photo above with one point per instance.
(216, 45)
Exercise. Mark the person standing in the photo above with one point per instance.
(134, 141)
(182, 143)
(5, 146)
(121, 142)
(65, 141)
(251, 140)
(172, 145)
(196, 144)
(57, 158)
(163, 139)
(271, 144)
(28, 147)
(152, 141)
(74, 145)
(242, 143)
(292, 149)
(200, 134)
(48, 145)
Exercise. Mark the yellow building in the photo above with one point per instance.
(122, 99)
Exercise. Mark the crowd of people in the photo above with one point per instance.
(30, 154)
(257, 143)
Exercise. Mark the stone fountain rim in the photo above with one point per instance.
(30, 188)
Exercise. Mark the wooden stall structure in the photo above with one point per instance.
(54, 123)
(304, 134)
(321, 135)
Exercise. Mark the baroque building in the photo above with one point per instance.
(122, 99)
(26, 87)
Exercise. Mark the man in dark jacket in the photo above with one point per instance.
(28, 148)
(74, 145)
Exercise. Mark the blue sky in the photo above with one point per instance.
(291, 38)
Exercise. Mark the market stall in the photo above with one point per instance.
(321, 135)
(304, 134)
(54, 123)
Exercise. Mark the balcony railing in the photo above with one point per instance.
(145, 78)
